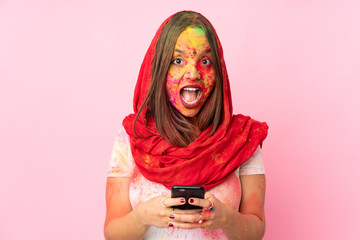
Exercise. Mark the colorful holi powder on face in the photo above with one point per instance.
(198, 30)
(191, 67)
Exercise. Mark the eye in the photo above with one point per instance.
(206, 61)
(177, 61)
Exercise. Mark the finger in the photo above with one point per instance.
(188, 218)
(211, 199)
(169, 202)
(167, 214)
(207, 224)
(184, 225)
(205, 203)
(208, 195)
(208, 215)
(187, 211)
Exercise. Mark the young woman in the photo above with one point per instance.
(183, 132)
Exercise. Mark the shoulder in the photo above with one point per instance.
(121, 162)
(253, 165)
(122, 136)
(247, 121)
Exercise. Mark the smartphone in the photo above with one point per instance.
(187, 192)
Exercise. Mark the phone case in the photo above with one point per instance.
(187, 192)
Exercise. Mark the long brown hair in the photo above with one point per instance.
(170, 123)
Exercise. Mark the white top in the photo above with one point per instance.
(229, 192)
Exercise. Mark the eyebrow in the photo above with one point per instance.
(205, 51)
(179, 51)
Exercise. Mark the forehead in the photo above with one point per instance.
(192, 37)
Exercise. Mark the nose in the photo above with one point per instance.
(191, 72)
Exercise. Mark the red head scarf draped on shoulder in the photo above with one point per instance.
(208, 161)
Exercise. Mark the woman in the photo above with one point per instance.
(183, 132)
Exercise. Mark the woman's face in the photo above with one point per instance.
(191, 76)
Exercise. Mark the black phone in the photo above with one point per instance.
(187, 192)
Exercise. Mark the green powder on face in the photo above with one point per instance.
(199, 30)
(196, 30)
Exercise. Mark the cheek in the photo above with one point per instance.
(209, 80)
(174, 72)
(171, 85)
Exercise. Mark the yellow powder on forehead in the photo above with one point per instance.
(192, 37)
(193, 32)
(196, 30)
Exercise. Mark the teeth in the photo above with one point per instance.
(191, 89)
(197, 97)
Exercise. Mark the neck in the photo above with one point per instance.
(194, 122)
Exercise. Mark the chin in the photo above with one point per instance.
(189, 113)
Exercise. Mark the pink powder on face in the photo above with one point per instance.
(191, 67)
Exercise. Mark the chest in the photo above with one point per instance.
(141, 190)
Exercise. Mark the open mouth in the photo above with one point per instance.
(190, 95)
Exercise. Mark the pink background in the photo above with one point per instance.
(67, 74)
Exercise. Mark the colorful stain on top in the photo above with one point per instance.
(141, 190)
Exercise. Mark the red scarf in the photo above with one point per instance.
(208, 161)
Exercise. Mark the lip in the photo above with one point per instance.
(193, 104)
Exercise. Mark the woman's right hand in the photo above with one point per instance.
(158, 211)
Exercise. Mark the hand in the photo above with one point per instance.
(207, 219)
(158, 211)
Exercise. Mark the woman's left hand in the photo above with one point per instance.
(214, 215)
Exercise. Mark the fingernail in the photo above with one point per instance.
(171, 216)
(182, 200)
(170, 225)
(191, 200)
